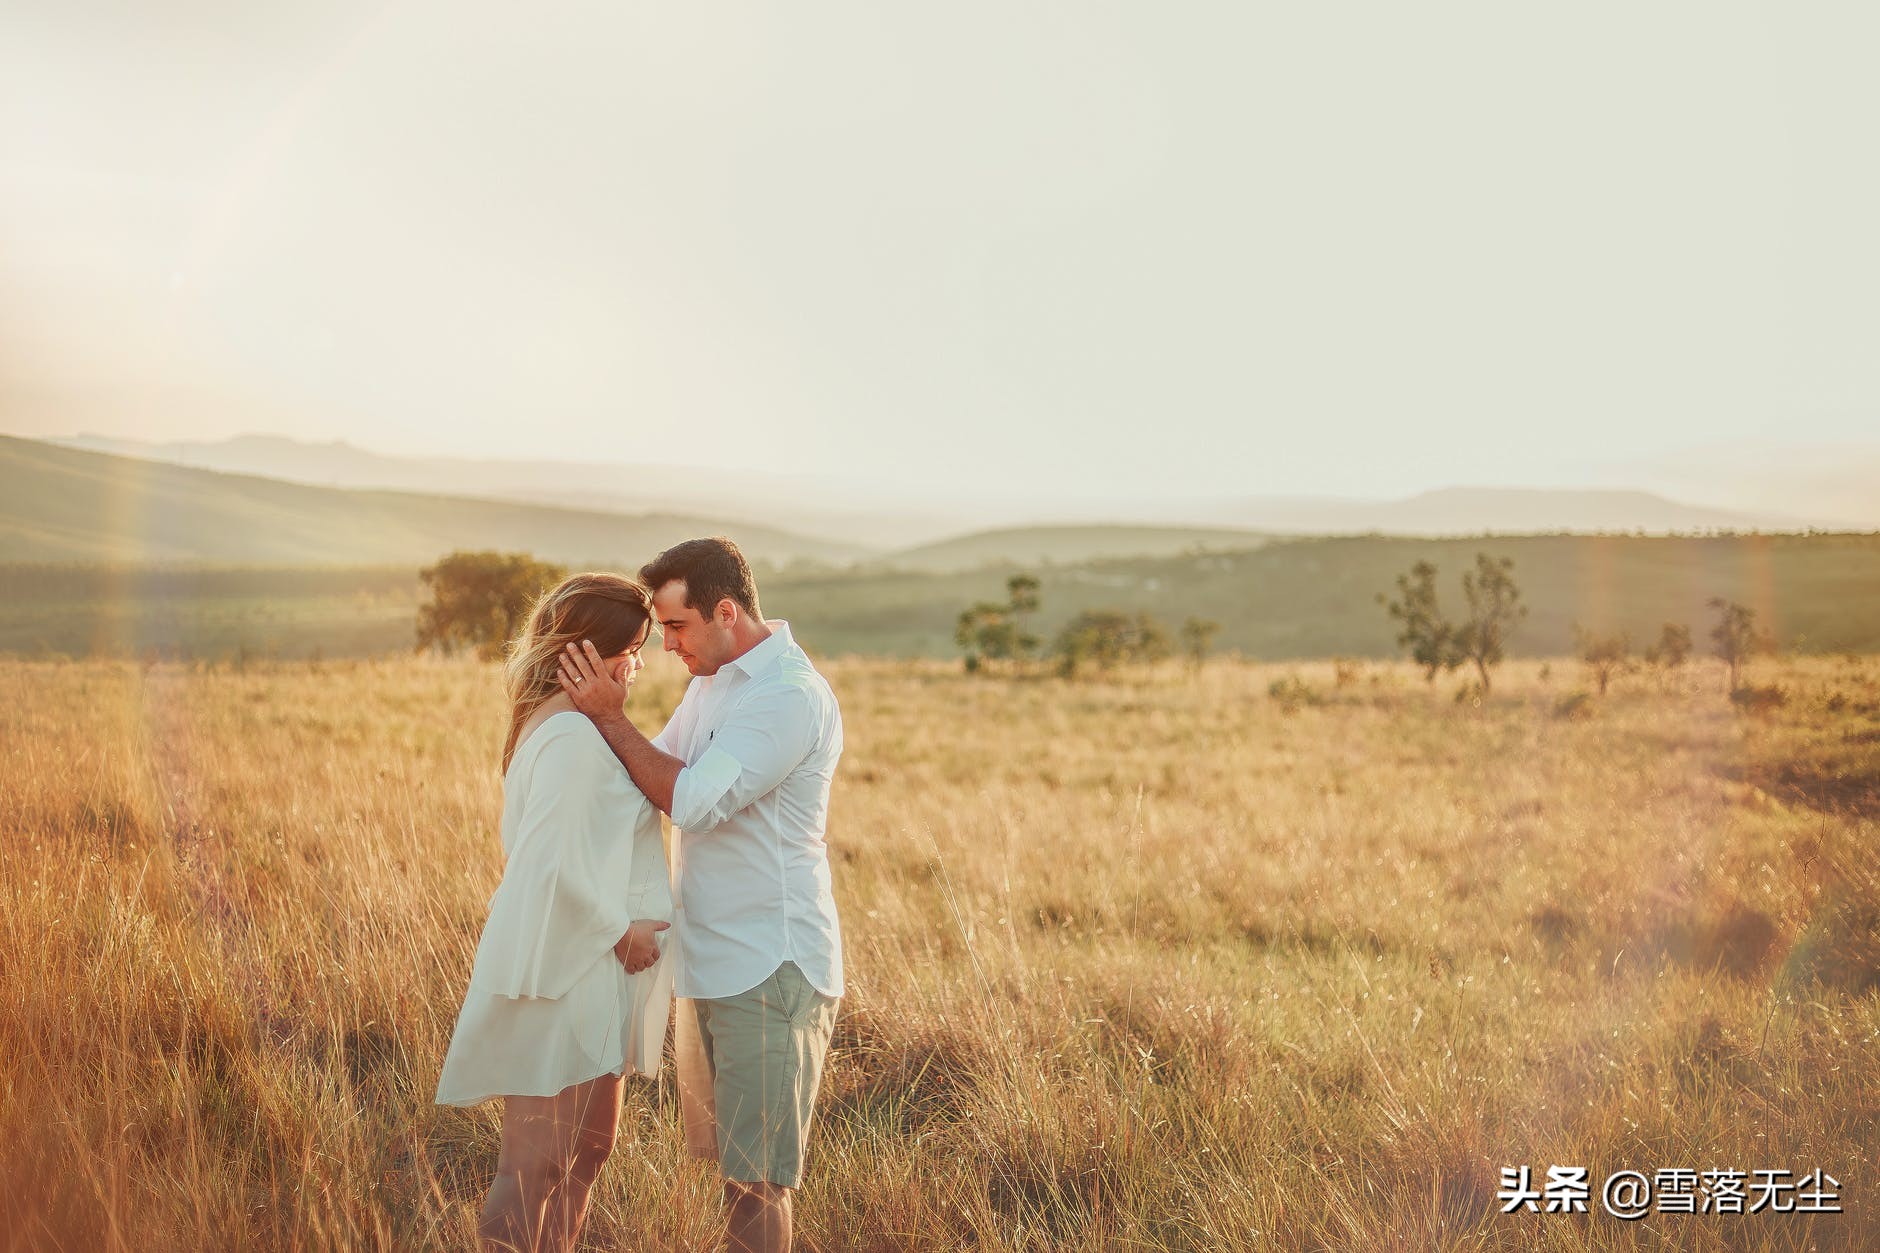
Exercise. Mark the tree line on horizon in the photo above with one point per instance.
(1000, 631)
(477, 602)
(1437, 644)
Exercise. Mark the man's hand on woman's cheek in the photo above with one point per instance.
(593, 690)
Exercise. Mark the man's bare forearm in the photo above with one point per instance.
(652, 771)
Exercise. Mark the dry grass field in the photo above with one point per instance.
(1158, 962)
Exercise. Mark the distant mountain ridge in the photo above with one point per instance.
(68, 505)
(889, 521)
(1063, 545)
(1503, 510)
(738, 498)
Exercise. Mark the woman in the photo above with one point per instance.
(568, 992)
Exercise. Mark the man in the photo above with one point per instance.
(743, 769)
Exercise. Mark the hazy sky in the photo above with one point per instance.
(1351, 248)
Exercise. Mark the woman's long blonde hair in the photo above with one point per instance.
(609, 609)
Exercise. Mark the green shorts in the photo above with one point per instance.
(766, 1048)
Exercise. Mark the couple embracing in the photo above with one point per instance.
(573, 982)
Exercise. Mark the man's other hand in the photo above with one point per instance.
(594, 692)
(637, 949)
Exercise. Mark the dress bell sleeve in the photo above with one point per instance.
(564, 898)
(649, 890)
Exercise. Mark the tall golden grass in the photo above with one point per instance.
(1151, 962)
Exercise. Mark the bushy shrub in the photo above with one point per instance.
(1753, 699)
(1293, 693)
(1574, 705)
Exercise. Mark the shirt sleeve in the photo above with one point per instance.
(766, 737)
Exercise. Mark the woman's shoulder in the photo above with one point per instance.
(572, 750)
(569, 739)
(563, 748)
(541, 733)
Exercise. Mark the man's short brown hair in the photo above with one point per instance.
(713, 570)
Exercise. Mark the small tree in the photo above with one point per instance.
(1494, 610)
(993, 631)
(479, 600)
(1735, 637)
(1430, 639)
(1197, 637)
(1149, 640)
(1604, 655)
(985, 631)
(1673, 646)
(1021, 591)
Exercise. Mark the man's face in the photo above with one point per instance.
(702, 643)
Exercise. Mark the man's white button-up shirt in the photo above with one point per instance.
(759, 740)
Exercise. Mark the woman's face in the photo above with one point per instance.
(625, 666)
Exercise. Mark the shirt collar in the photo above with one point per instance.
(769, 652)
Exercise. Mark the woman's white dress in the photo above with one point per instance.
(549, 1004)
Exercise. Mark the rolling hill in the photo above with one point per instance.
(65, 505)
(1295, 598)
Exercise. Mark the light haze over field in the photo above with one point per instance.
(1096, 250)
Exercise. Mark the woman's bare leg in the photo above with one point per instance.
(526, 1172)
(594, 1120)
(548, 1146)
